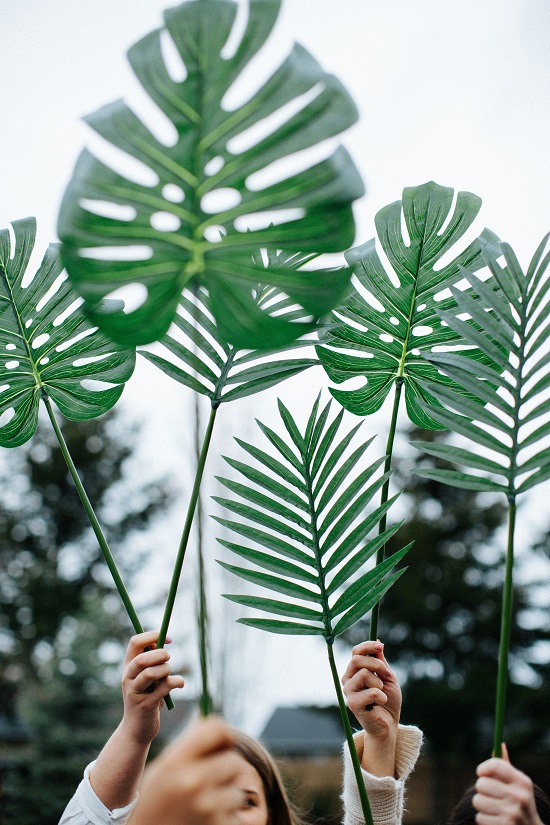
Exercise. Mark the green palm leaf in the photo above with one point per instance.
(49, 349)
(176, 231)
(325, 560)
(385, 346)
(501, 407)
(501, 417)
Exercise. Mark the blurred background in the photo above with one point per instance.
(456, 93)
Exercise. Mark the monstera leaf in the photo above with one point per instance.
(505, 414)
(203, 361)
(49, 349)
(384, 344)
(177, 232)
(307, 514)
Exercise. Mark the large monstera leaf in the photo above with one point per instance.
(202, 360)
(176, 233)
(385, 343)
(48, 347)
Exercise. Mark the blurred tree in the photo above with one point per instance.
(61, 620)
(441, 623)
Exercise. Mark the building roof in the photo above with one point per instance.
(304, 731)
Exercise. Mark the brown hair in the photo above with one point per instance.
(280, 809)
(465, 813)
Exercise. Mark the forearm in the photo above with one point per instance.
(117, 772)
(377, 753)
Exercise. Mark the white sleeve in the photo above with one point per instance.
(85, 808)
(385, 793)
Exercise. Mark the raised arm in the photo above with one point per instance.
(117, 772)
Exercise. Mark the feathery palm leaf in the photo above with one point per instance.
(385, 345)
(168, 233)
(506, 414)
(306, 518)
(203, 361)
(49, 347)
(507, 410)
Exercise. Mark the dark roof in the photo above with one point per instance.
(13, 730)
(304, 731)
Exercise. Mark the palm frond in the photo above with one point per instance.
(314, 525)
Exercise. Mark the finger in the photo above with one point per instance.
(491, 787)
(149, 676)
(498, 769)
(504, 752)
(149, 658)
(206, 737)
(363, 680)
(366, 700)
(360, 662)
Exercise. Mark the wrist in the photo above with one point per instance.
(137, 732)
(378, 750)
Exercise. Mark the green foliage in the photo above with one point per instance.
(217, 369)
(49, 347)
(176, 232)
(388, 343)
(503, 412)
(308, 512)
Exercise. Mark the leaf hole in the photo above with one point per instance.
(68, 312)
(108, 209)
(10, 346)
(421, 308)
(28, 322)
(121, 162)
(215, 234)
(366, 294)
(262, 129)
(405, 231)
(71, 341)
(165, 222)
(11, 365)
(173, 193)
(262, 220)
(44, 361)
(133, 296)
(394, 321)
(220, 200)
(90, 359)
(214, 166)
(6, 417)
(294, 164)
(422, 330)
(40, 340)
(51, 291)
(238, 29)
(96, 386)
(387, 338)
(117, 253)
(173, 61)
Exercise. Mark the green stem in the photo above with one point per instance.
(505, 633)
(96, 527)
(205, 702)
(367, 813)
(375, 614)
(186, 530)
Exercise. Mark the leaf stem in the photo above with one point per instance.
(367, 813)
(96, 527)
(384, 496)
(505, 633)
(186, 530)
(205, 702)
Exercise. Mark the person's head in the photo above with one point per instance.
(266, 801)
(465, 813)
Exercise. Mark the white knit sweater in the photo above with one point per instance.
(386, 794)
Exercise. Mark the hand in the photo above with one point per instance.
(142, 669)
(504, 795)
(369, 681)
(193, 781)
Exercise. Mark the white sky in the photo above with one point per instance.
(454, 92)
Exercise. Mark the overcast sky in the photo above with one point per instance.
(454, 92)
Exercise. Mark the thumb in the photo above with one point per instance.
(505, 755)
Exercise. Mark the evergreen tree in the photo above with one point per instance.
(61, 618)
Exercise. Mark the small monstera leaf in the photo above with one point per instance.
(385, 344)
(176, 233)
(306, 517)
(48, 348)
(203, 361)
(506, 413)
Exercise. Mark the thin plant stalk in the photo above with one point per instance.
(505, 633)
(205, 702)
(186, 530)
(96, 527)
(365, 805)
(384, 496)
